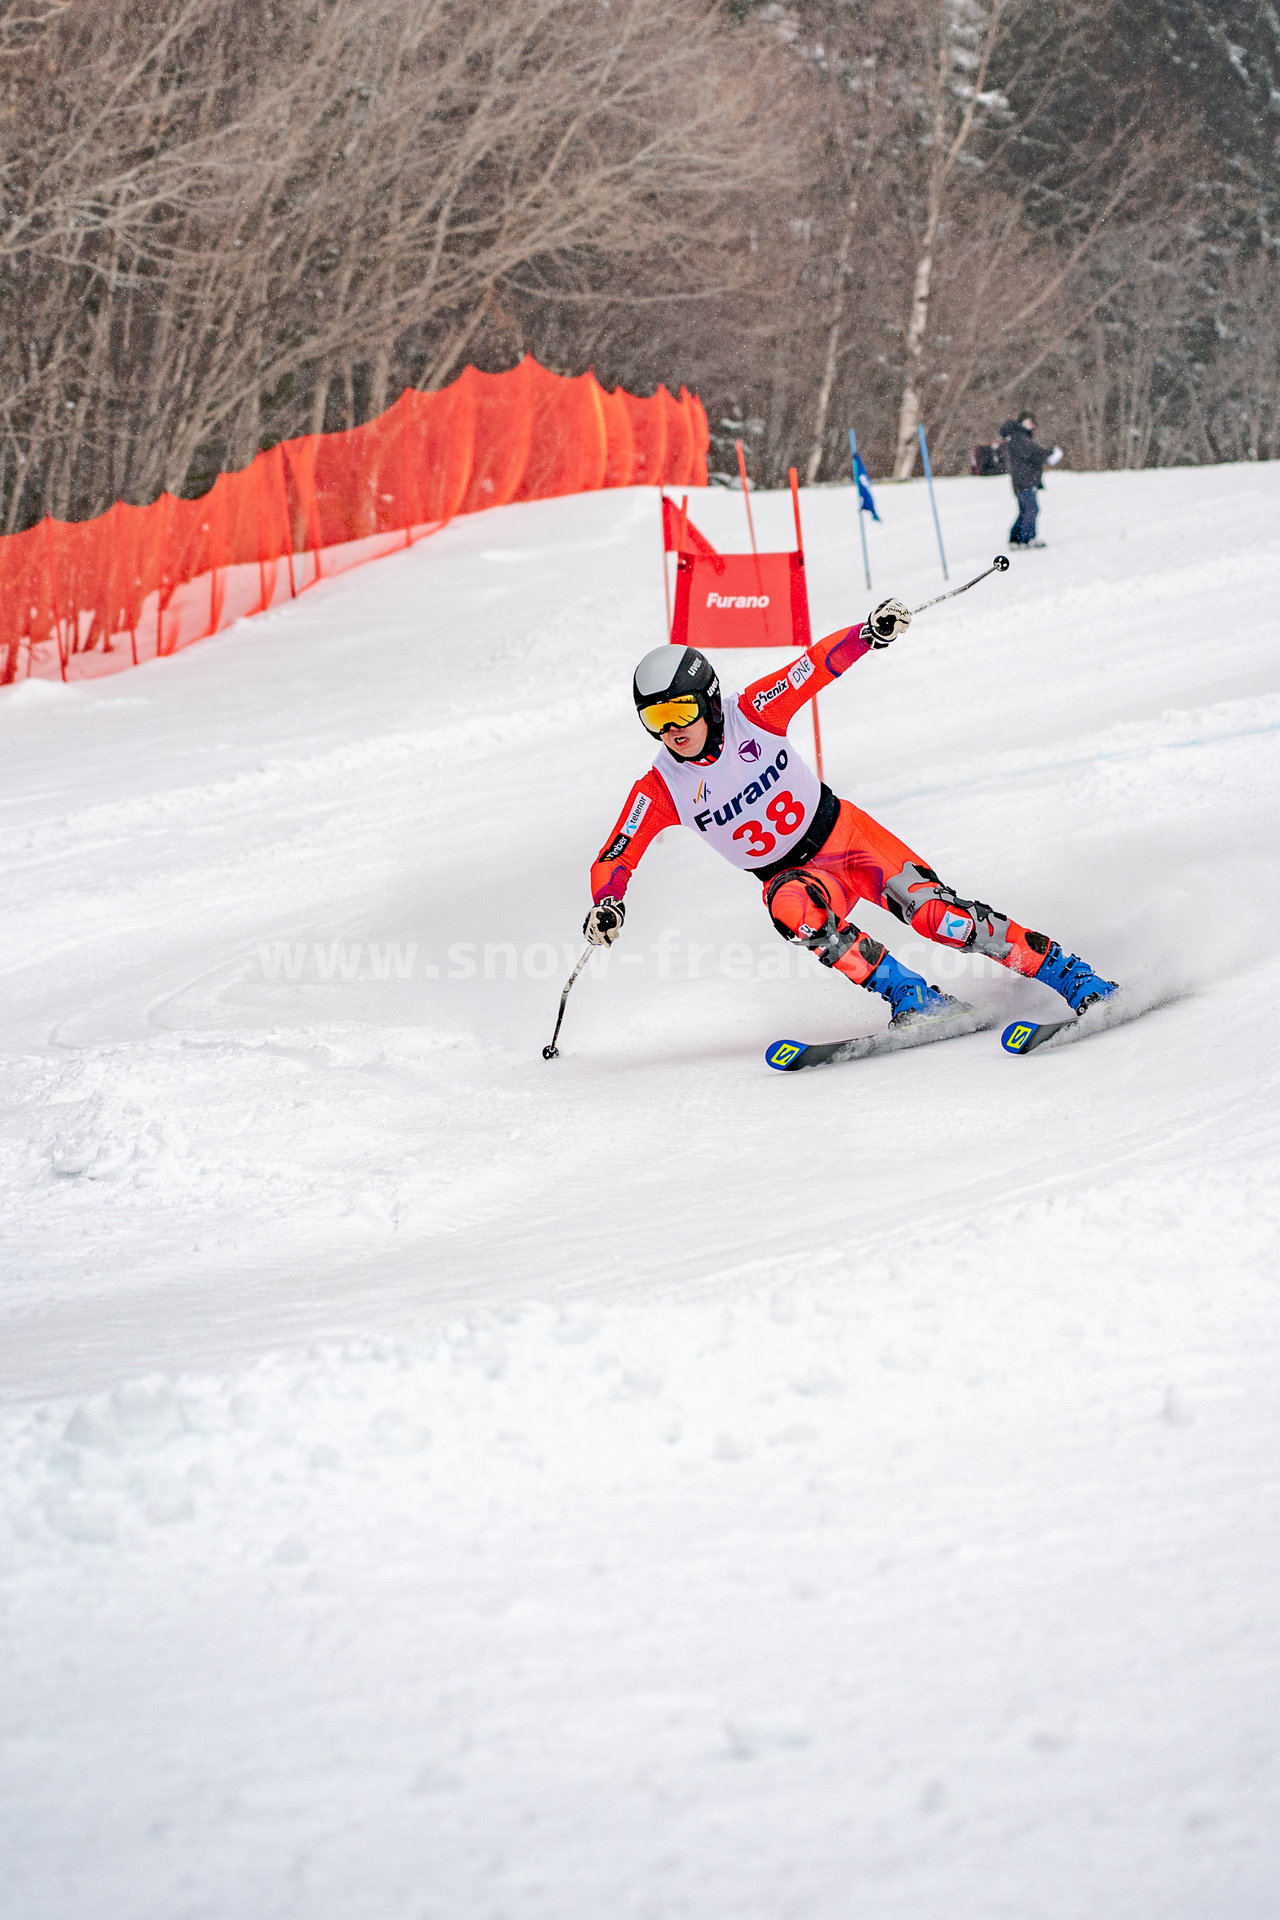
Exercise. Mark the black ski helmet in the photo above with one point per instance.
(665, 674)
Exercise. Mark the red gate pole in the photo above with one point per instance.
(746, 494)
(666, 578)
(681, 537)
(795, 508)
(817, 736)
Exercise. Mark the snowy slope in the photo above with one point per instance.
(440, 1483)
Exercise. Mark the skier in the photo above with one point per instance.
(724, 770)
(1026, 461)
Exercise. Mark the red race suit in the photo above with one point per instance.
(764, 809)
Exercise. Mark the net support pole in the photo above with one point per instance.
(54, 597)
(862, 524)
(928, 474)
(813, 704)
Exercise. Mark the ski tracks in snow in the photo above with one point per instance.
(437, 1482)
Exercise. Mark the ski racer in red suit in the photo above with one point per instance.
(725, 771)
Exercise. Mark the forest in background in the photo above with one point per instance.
(229, 222)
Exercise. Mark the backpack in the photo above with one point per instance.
(987, 460)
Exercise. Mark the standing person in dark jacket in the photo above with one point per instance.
(1026, 460)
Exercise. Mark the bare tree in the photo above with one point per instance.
(241, 222)
(960, 202)
(1019, 221)
(226, 222)
(958, 39)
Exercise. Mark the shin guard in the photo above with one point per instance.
(929, 907)
(802, 910)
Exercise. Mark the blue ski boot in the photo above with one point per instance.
(910, 997)
(1073, 978)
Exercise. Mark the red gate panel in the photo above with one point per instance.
(741, 600)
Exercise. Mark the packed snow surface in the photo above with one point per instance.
(443, 1485)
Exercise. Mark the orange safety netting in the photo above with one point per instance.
(82, 598)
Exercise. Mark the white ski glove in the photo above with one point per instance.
(604, 922)
(889, 620)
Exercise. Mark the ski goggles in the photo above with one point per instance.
(680, 712)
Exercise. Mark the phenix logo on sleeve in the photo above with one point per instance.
(794, 678)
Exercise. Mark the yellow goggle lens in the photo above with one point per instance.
(681, 712)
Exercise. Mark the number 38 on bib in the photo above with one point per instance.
(754, 802)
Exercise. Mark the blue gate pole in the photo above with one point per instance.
(862, 525)
(937, 524)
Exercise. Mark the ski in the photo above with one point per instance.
(1026, 1036)
(789, 1056)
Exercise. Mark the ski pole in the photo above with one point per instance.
(999, 565)
(552, 1052)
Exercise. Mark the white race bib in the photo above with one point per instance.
(754, 802)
